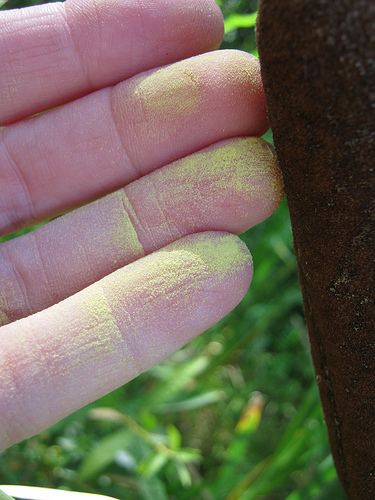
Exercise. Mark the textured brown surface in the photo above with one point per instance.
(318, 68)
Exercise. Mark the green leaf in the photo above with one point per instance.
(103, 454)
(173, 379)
(152, 489)
(189, 455)
(184, 475)
(235, 21)
(193, 403)
(151, 466)
(174, 437)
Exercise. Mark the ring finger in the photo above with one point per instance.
(230, 186)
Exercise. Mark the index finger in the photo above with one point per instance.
(54, 53)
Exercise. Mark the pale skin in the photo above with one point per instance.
(160, 128)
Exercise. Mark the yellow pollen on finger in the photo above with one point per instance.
(242, 169)
(219, 256)
(168, 92)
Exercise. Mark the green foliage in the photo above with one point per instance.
(236, 21)
(173, 432)
(240, 18)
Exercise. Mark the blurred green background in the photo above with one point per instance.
(233, 415)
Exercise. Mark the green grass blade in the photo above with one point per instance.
(235, 21)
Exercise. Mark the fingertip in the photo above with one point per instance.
(273, 180)
(215, 21)
(243, 80)
(228, 269)
(256, 91)
(255, 180)
(224, 254)
(240, 185)
(271, 185)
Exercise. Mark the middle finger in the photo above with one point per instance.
(97, 144)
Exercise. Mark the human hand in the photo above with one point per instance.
(99, 295)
